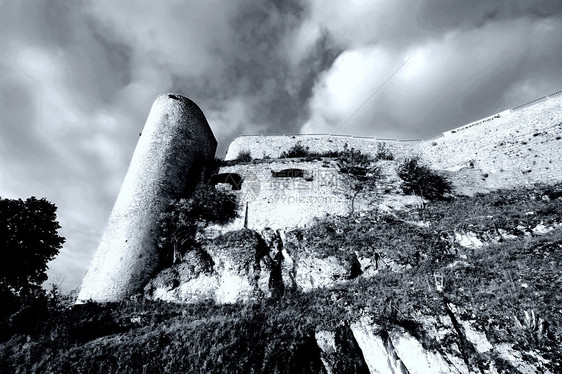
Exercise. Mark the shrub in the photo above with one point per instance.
(209, 205)
(354, 162)
(215, 165)
(418, 179)
(298, 150)
(185, 217)
(244, 156)
(383, 153)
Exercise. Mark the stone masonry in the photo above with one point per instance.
(509, 149)
(175, 144)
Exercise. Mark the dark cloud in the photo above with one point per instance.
(462, 14)
(468, 60)
(260, 69)
(263, 69)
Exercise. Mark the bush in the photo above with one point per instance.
(244, 156)
(213, 167)
(209, 205)
(185, 217)
(420, 180)
(298, 150)
(384, 153)
(354, 162)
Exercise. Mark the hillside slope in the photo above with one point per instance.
(469, 286)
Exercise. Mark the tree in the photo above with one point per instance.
(420, 180)
(244, 156)
(360, 168)
(185, 217)
(28, 240)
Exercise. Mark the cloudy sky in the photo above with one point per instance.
(78, 79)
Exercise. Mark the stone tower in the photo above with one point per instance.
(175, 144)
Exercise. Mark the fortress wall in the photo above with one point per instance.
(289, 202)
(508, 149)
(261, 146)
(518, 148)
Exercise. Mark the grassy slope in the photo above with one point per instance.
(492, 286)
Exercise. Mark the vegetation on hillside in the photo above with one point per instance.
(383, 153)
(421, 180)
(184, 218)
(363, 172)
(508, 288)
(243, 156)
(298, 150)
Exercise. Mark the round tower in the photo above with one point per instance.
(174, 146)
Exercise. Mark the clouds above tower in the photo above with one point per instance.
(223, 53)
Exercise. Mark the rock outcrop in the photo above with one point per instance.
(175, 144)
(367, 347)
(245, 265)
(233, 267)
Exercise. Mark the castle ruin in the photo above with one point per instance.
(516, 147)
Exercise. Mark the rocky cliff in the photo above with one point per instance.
(458, 287)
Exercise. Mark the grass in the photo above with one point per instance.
(493, 286)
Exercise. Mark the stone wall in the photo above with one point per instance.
(286, 202)
(261, 146)
(508, 149)
(518, 148)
